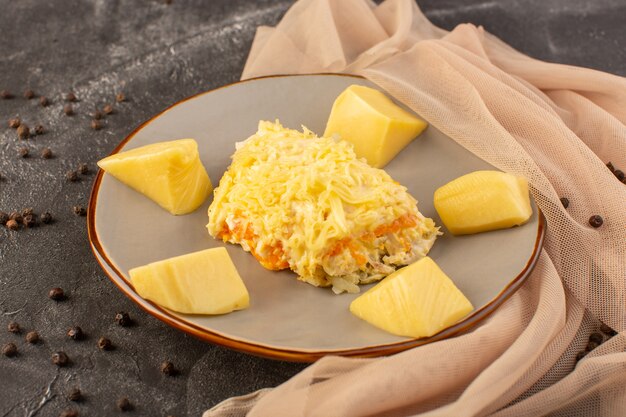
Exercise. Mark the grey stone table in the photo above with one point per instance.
(158, 53)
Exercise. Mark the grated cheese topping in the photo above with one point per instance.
(298, 201)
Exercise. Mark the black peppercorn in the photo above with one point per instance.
(123, 319)
(108, 109)
(619, 174)
(46, 218)
(4, 218)
(610, 166)
(5, 94)
(71, 97)
(83, 168)
(46, 153)
(124, 404)
(12, 225)
(71, 176)
(28, 94)
(39, 130)
(27, 211)
(29, 221)
(580, 355)
(591, 346)
(56, 294)
(9, 350)
(14, 123)
(68, 110)
(97, 115)
(15, 215)
(79, 210)
(44, 101)
(596, 221)
(14, 327)
(60, 359)
(168, 368)
(75, 333)
(565, 202)
(32, 337)
(23, 132)
(105, 344)
(120, 97)
(70, 412)
(96, 124)
(75, 395)
(23, 152)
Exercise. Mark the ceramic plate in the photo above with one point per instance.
(289, 319)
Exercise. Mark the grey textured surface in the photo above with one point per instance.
(158, 54)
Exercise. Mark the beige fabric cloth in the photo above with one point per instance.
(557, 125)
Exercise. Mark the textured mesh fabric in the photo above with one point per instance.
(556, 125)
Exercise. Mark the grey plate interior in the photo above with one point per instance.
(285, 313)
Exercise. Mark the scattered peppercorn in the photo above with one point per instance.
(120, 97)
(4, 94)
(15, 215)
(619, 174)
(75, 395)
(596, 221)
(108, 109)
(39, 130)
(581, 355)
(14, 123)
(71, 176)
(4, 218)
(83, 168)
(32, 337)
(97, 115)
(60, 359)
(14, 327)
(96, 124)
(71, 97)
(591, 346)
(28, 94)
(105, 344)
(9, 350)
(168, 368)
(29, 221)
(70, 412)
(46, 153)
(46, 218)
(79, 210)
(68, 110)
(12, 225)
(23, 132)
(124, 404)
(610, 166)
(27, 211)
(56, 294)
(44, 101)
(75, 333)
(23, 152)
(123, 319)
(565, 202)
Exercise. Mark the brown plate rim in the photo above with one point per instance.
(275, 352)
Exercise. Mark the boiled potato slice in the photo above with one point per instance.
(204, 282)
(416, 301)
(483, 201)
(375, 125)
(169, 173)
